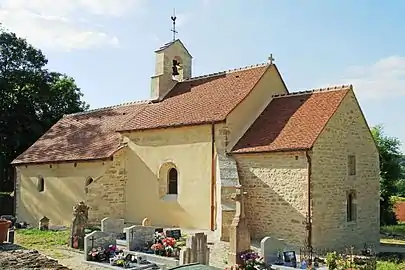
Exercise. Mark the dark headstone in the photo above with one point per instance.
(176, 234)
(290, 259)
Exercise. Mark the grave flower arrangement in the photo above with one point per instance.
(250, 260)
(165, 246)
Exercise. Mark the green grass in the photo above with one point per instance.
(48, 242)
(394, 229)
(382, 265)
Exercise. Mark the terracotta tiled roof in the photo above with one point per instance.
(83, 136)
(199, 100)
(292, 121)
(92, 135)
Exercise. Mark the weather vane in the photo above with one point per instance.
(174, 24)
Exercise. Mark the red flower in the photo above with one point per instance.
(157, 246)
(169, 241)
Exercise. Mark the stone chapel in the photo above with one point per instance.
(307, 160)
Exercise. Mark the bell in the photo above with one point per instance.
(175, 71)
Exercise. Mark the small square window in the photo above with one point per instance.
(352, 164)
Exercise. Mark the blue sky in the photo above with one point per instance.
(107, 45)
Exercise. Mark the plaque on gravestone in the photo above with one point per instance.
(159, 230)
(290, 259)
(176, 234)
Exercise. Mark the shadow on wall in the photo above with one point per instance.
(267, 210)
(55, 202)
(143, 190)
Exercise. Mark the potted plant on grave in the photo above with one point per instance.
(4, 225)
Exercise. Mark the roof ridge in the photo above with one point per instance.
(315, 90)
(226, 71)
(110, 107)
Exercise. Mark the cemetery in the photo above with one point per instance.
(117, 245)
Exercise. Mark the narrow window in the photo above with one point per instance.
(352, 165)
(88, 182)
(351, 206)
(40, 184)
(172, 181)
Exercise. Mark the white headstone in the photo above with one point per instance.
(269, 248)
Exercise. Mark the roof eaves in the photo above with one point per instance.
(280, 150)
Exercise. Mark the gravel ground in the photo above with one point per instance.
(14, 257)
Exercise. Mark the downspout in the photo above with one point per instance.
(309, 218)
(213, 177)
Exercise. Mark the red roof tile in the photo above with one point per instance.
(292, 122)
(92, 135)
(199, 100)
(83, 136)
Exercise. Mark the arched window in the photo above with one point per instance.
(88, 182)
(40, 184)
(172, 181)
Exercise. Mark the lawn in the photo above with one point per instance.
(47, 242)
(381, 265)
(394, 234)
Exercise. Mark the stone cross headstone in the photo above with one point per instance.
(79, 223)
(43, 224)
(239, 235)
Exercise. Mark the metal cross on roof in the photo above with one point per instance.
(271, 59)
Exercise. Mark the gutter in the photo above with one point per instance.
(309, 212)
(212, 177)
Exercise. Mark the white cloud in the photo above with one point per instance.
(383, 79)
(63, 24)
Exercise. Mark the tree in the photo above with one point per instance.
(32, 100)
(390, 172)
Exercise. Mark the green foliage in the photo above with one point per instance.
(390, 172)
(32, 99)
(331, 260)
(398, 229)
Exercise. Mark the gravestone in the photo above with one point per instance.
(239, 236)
(176, 234)
(79, 223)
(146, 222)
(115, 225)
(196, 250)
(98, 239)
(139, 236)
(270, 247)
(43, 224)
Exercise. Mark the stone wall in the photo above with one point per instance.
(276, 200)
(346, 134)
(106, 195)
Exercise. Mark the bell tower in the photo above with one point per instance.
(172, 65)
